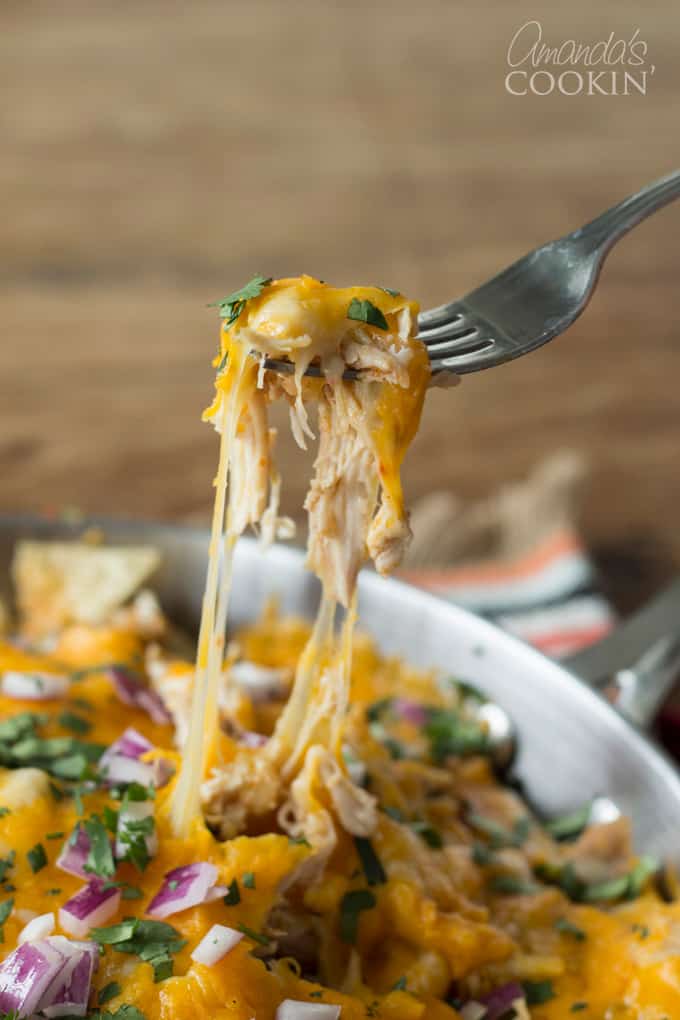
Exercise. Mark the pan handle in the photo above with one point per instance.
(641, 658)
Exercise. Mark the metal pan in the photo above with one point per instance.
(572, 744)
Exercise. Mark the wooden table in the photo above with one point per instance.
(155, 156)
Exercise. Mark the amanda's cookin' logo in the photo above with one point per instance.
(609, 67)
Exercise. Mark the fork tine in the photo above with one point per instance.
(481, 353)
(455, 324)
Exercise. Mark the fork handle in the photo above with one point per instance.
(605, 230)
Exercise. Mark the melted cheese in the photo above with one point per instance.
(302, 320)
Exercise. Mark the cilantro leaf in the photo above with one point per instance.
(370, 862)
(255, 935)
(567, 927)
(5, 910)
(108, 992)
(4, 811)
(75, 723)
(571, 825)
(37, 858)
(538, 992)
(248, 880)
(366, 311)
(233, 894)
(99, 860)
(231, 306)
(351, 905)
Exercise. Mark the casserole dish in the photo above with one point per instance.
(572, 744)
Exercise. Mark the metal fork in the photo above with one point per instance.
(534, 299)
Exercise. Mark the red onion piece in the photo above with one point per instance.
(39, 928)
(91, 906)
(34, 686)
(130, 744)
(501, 999)
(26, 974)
(409, 711)
(74, 854)
(293, 1009)
(118, 770)
(216, 944)
(72, 997)
(216, 893)
(182, 888)
(132, 691)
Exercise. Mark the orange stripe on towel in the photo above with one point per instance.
(557, 545)
(560, 642)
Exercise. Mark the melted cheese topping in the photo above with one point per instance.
(435, 919)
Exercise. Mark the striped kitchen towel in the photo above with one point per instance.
(516, 557)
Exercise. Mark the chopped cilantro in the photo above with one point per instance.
(351, 905)
(99, 860)
(366, 311)
(4, 811)
(233, 894)
(231, 306)
(642, 930)
(482, 854)
(392, 293)
(511, 885)
(571, 825)
(370, 862)
(6, 863)
(172, 884)
(5, 910)
(299, 841)
(54, 835)
(108, 992)
(37, 858)
(400, 985)
(75, 723)
(577, 1007)
(248, 879)
(152, 941)
(451, 734)
(110, 818)
(394, 813)
(429, 834)
(255, 935)
(498, 835)
(567, 927)
(537, 992)
(54, 892)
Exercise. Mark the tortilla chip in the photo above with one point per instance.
(58, 583)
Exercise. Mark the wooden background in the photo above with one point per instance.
(155, 154)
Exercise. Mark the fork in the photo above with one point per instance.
(534, 299)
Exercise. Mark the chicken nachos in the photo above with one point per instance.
(290, 827)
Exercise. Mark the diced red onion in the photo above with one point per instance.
(132, 691)
(131, 744)
(216, 893)
(260, 683)
(182, 888)
(74, 854)
(473, 1011)
(294, 1009)
(216, 944)
(501, 999)
(26, 974)
(71, 998)
(409, 710)
(135, 811)
(91, 906)
(34, 686)
(39, 928)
